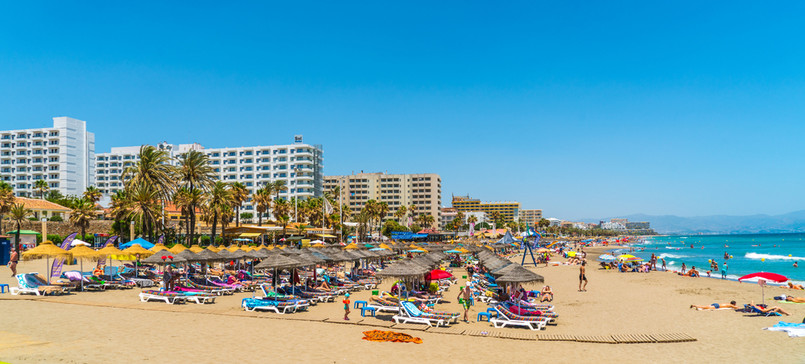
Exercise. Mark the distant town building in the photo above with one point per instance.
(423, 191)
(638, 225)
(448, 215)
(62, 155)
(613, 226)
(509, 211)
(530, 217)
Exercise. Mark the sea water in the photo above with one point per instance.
(749, 253)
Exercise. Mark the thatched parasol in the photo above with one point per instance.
(278, 261)
(403, 269)
(187, 255)
(208, 256)
(178, 248)
(135, 250)
(47, 250)
(195, 248)
(158, 247)
(519, 274)
(157, 258)
(503, 270)
(214, 248)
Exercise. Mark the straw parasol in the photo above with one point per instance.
(157, 258)
(519, 274)
(208, 256)
(46, 249)
(136, 249)
(158, 247)
(195, 248)
(81, 253)
(178, 248)
(403, 269)
(187, 255)
(278, 261)
(214, 248)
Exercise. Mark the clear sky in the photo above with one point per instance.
(582, 109)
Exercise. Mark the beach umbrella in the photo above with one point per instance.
(213, 248)
(178, 248)
(158, 247)
(162, 257)
(761, 278)
(82, 252)
(437, 274)
(606, 258)
(135, 252)
(519, 274)
(46, 250)
(195, 248)
(77, 242)
(629, 258)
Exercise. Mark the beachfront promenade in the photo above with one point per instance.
(103, 326)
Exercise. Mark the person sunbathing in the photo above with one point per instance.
(795, 286)
(769, 309)
(716, 306)
(692, 272)
(546, 294)
(795, 299)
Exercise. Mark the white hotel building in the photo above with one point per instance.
(62, 155)
(299, 165)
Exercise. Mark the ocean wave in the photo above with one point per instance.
(757, 256)
(666, 255)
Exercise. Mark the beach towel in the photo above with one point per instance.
(391, 336)
(793, 330)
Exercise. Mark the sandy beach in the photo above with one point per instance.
(95, 327)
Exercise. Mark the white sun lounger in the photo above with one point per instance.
(146, 297)
(503, 320)
(411, 314)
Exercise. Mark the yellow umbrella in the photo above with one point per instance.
(233, 248)
(213, 248)
(81, 252)
(47, 250)
(195, 248)
(246, 248)
(351, 246)
(158, 247)
(176, 249)
(384, 246)
(136, 249)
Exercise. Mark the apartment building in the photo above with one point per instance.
(509, 211)
(530, 217)
(299, 165)
(423, 191)
(62, 155)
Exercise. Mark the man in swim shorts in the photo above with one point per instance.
(583, 276)
(716, 306)
(465, 297)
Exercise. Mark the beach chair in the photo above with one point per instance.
(279, 307)
(409, 313)
(167, 297)
(507, 318)
(23, 287)
(753, 309)
(212, 289)
(381, 304)
(550, 315)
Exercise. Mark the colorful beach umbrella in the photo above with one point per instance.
(606, 258)
(763, 276)
(629, 258)
(437, 274)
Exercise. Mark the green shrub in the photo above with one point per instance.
(56, 218)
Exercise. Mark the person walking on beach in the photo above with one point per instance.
(465, 297)
(663, 264)
(12, 264)
(684, 267)
(724, 270)
(583, 276)
(346, 306)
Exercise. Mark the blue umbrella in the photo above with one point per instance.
(453, 252)
(376, 249)
(606, 258)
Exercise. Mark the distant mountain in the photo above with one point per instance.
(793, 222)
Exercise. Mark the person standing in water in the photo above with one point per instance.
(724, 270)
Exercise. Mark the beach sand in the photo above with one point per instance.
(95, 327)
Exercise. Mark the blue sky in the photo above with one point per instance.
(581, 109)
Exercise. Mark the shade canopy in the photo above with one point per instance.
(83, 252)
(157, 258)
(772, 277)
(136, 249)
(139, 241)
(519, 274)
(178, 248)
(278, 261)
(44, 250)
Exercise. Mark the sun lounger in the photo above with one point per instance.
(28, 283)
(753, 309)
(167, 297)
(382, 304)
(409, 313)
(212, 289)
(507, 318)
(279, 307)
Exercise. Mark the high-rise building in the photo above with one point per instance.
(63, 156)
(448, 215)
(530, 217)
(299, 165)
(422, 191)
(508, 210)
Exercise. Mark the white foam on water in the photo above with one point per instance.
(757, 256)
(675, 256)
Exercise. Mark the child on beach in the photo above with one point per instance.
(346, 306)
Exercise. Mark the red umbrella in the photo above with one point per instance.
(773, 277)
(437, 274)
(755, 277)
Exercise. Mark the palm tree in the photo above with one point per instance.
(381, 210)
(279, 186)
(217, 202)
(283, 220)
(120, 209)
(41, 188)
(82, 214)
(194, 173)
(6, 201)
(428, 221)
(262, 202)
(144, 205)
(19, 214)
(412, 212)
(400, 213)
(362, 219)
(239, 195)
(472, 219)
(281, 208)
(92, 195)
(370, 207)
(152, 169)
